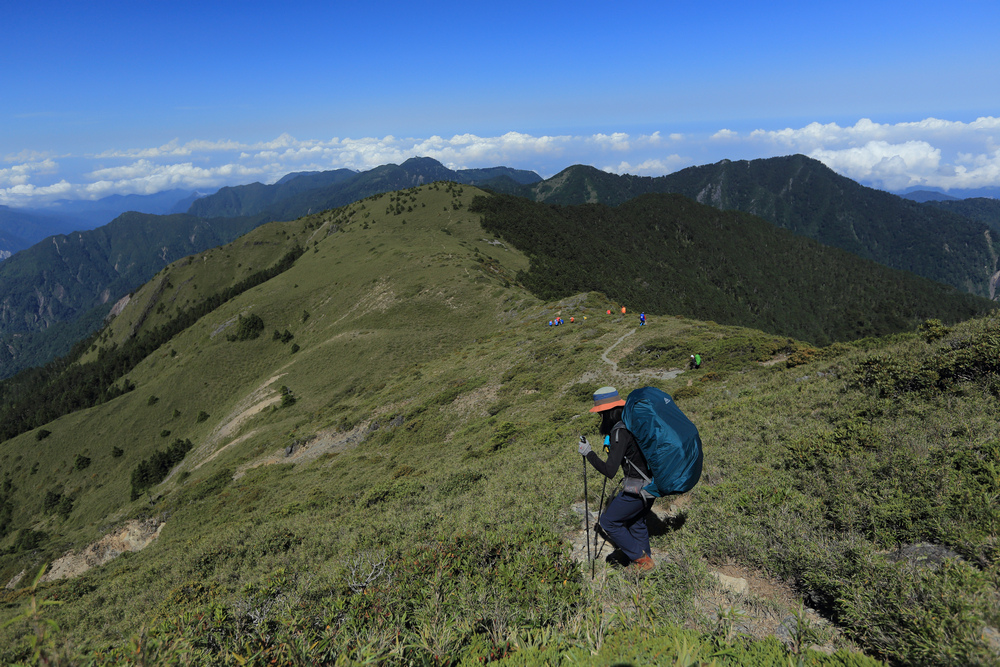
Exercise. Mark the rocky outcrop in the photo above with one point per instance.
(133, 536)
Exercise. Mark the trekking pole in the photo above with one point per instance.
(600, 511)
(586, 506)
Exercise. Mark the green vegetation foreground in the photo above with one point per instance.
(389, 475)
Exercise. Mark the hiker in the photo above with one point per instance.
(572, 319)
(695, 361)
(623, 310)
(623, 523)
(642, 319)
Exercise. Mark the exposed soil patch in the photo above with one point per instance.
(327, 441)
(261, 398)
(474, 403)
(133, 536)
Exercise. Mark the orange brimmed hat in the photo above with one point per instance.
(606, 398)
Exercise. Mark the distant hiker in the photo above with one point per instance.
(623, 523)
(695, 361)
(642, 319)
(571, 320)
(609, 311)
(623, 310)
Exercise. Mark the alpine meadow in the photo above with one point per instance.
(350, 438)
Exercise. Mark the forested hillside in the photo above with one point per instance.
(980, 209)
(56, 292)
(806, 197)
(666, 254)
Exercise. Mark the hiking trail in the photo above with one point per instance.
(662, 375)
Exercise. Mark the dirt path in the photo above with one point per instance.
(645, 373)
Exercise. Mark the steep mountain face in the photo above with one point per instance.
(61, 279)
(254, 198)
(806, 197)
(19, 229)
(31, 225)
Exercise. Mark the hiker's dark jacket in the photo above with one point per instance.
(622, 445)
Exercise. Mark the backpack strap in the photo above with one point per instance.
(615, 433)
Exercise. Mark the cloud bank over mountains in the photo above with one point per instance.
(930, 153)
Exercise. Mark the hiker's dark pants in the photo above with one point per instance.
(625, 523)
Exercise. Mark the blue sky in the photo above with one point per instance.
(141, 96)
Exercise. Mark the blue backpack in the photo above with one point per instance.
(668, 440)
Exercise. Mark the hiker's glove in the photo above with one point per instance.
(584, 446)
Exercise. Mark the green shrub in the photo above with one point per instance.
(686, 392)
(155, 469)
(247, 328)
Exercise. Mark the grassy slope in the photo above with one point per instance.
(478, 404)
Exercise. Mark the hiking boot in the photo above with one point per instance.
(645, 564)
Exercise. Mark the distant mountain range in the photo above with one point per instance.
(310, 192)
(72, 280)
(21, 228)
(978, 209)
(923, 194)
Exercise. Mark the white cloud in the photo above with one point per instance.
(928, 152)
(145, 177)
(725, 135)
(651, 167)
(20, 174)
(27, 156)
(931, 152)
(894, 166)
